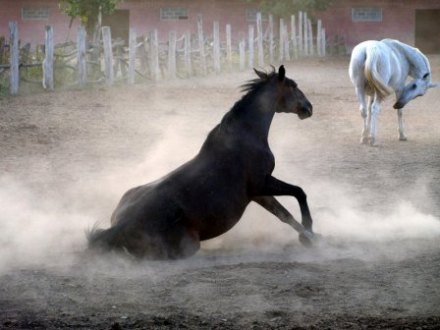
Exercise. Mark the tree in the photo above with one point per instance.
(285, 8)
(88, 11)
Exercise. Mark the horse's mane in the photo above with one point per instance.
(249, 88)
(256, 83)
(419, 64)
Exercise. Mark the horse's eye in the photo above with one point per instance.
(414, 86)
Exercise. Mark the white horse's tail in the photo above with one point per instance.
(372, 74)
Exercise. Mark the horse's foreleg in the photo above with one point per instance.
(275, 187)
(402, 136)
(274, 207)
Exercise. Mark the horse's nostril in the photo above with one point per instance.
(309, 108)
(398, 105)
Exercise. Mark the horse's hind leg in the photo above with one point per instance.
(374, 112)
(402, 136)
(180, 242)
(360, 92)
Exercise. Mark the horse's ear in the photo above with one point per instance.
(433, 85)
(281, 73)
(261, 74)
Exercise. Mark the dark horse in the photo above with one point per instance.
(207, 196)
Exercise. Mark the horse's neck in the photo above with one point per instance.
(254, 115)
(418, 63)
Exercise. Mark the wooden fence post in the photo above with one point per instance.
(187, 54)
(48, 61)
(81, 56)
(286, 43)
(300, 33)
(154, 55)
(216, 47)
(260, 40)
(310, 34)
(143, 54)
(14, 59)
(293, 36)
(201, 41)
(172, 44)
(132, 45)
(108, 55)
(281, 41)
(229, 46)
(251, 39)
(318, 37)
(306, 35)
(242, 52)
(271, 39)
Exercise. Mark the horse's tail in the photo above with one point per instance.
(372, 74)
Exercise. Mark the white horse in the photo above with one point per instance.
(377, 68)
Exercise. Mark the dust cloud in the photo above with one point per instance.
(38, 229)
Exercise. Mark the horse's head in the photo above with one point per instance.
(415, 88)
(289, 98)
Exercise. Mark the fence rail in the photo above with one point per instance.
(146, 58)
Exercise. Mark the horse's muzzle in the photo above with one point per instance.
(306, 111)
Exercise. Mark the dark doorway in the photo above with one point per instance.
(119, 23)
(428, 30)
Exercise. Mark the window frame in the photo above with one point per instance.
(43, 13)
(183, 16)
(370, 14)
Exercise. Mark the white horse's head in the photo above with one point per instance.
(415, 88)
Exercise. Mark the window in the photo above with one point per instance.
(37, 13)
(251, 15)
(173, 13)
(366, 14)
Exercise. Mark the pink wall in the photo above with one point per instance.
(33, 30)
(144, 16)
(398, 20)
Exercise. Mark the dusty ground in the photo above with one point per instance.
(67, 157)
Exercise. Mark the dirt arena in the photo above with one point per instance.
(67, 157)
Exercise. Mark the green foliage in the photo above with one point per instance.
(88, 10)
(285, 8)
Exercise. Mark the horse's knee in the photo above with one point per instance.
(181, 243)
(189, 244)
(363, 111)
(375, 108)
(189, 247)
(300, 195)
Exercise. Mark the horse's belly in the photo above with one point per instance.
(215, 227)
(215, 219)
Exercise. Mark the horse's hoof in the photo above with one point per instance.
(307, 238)
(403, 138)
(364, 140)
(372, 141)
